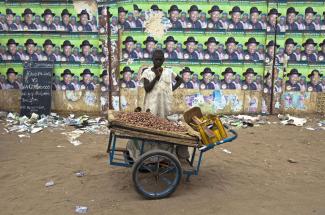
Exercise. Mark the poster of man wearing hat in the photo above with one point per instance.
(235, 22)
(291, 23)
(104, 84)
(314, 85)
(269, 55)
(309, 53)
(150, 44)
(211, 51)
(126, 81)
(271, 23)
(231, 50)
(251, 53)
(85, 55)
(12, 54)
(128, 50)
(292, 83)
(207, 79)
(249, 83)
(214, 22)
(11, 81)
(28, 23)
(193, 19)
(174, 13)
(65, 23)
(254, 21)
(84, 22)
(169, 50)
(86, 82)
(122, 18)
(47, 54)
(321, 53)
(48, 20)
(189, 53)
(186, 74)
(227, 81)
(66, 55)
(290, 45)
(309, 19)
(30, 51)
(11, 25)
(66, 83)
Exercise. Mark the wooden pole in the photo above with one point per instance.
(109, 46)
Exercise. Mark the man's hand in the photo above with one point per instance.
(158, 71)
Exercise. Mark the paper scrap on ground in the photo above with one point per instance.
(49, 183)
(291, 120)
(81, 209)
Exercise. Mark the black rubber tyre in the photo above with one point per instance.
(162, 177)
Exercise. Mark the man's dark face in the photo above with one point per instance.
(158, 60)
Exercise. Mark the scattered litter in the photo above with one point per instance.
(23, 135)
(59, 146)
(226, 151)
(310, 128)
(49, 183)
(292, 161)
(35, 130)
(291, 120)
(80, 174)
(244, 121)
(81, 209)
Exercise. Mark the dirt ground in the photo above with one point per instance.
(256, 178)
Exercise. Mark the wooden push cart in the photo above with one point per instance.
(156, 173)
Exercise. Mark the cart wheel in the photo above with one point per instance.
(162, 177)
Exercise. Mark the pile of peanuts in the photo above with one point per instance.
(148, 120)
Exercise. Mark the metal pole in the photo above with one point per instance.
(109, 46)
(273, 63)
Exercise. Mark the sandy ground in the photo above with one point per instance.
(256, 178)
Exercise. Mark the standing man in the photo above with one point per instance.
(193, 21)
(189, 52)
(126, 81)
(309, 19)
(11, 81)
(85, 56)
(309, 53)
(138, 51)
(292, 83)
(214, 20)
(291, 19)
(130, 20)
(251, 54)
(170, 48)
(203, 20)
(48, 51)
(227, 81)
(10, 20)
(255, 23)
(211, 51)
(179, 51)
(289, 49)
(206, 83)
(186, 74)
(128, 51)
(139, 22)
(67, 79)
(150, 44)
(86, 82)
(48, 20)
(314, 84)
(235, 22)
(12, 50)
(28, 20)
(272, 17)
(67, 52)
(30, 50)
(249, 83)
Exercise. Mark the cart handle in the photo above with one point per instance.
(212, 145)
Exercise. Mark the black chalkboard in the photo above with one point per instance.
(37, 88)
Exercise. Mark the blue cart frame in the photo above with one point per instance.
(117, 155)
